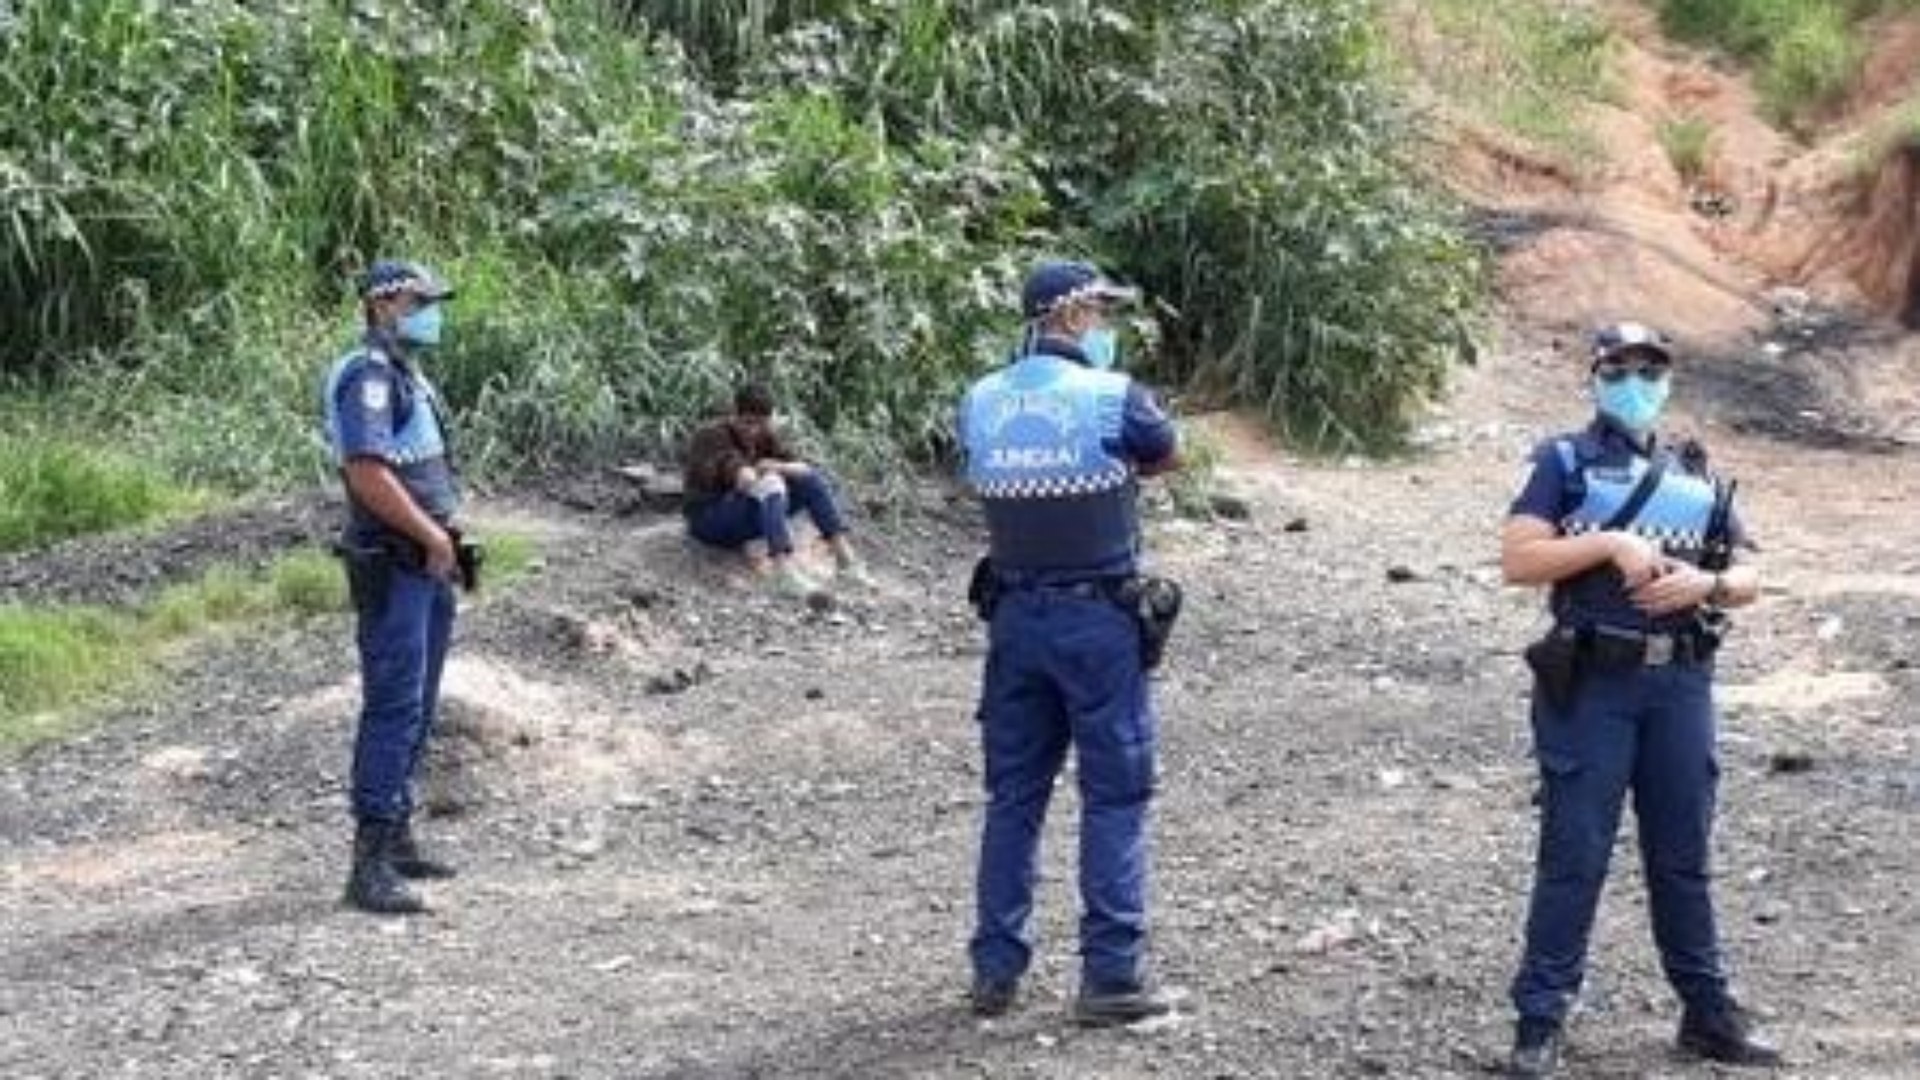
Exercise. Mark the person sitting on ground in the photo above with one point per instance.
(742, 484)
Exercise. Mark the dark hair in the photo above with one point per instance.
(753, 399)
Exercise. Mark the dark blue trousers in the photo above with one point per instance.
(1063, 670)
(1648, 731)
(736, 518)
(403, 631)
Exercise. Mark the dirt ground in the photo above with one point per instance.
(705, 834)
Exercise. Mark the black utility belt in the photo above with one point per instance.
(1612, 648)
(1154, 602)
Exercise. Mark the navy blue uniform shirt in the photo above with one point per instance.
(1555, 494)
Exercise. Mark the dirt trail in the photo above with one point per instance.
(705, 836)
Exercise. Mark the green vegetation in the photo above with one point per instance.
(1807, 51)
(52, 488)
(1686, 140)
(53, 659)
(643, 202)
(1526, 66)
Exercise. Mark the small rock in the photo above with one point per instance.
(1230, 506)
(1295, 525)
(1400, 575)
(1790, 761)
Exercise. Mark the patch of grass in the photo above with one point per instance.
(308, 583)
(1806, 52)
(55, 659)
(1526, 66)
(52, 489)
(51, 657)
(1686, 140)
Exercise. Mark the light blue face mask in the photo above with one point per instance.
(422, 325)
(1101, 347)
(1635, 402)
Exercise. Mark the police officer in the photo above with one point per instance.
(1054, 442)
(385, 427)
(1619, 525)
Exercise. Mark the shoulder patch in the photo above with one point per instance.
(375, 395)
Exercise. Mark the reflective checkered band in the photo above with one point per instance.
(1052, 487)
(1666, 537)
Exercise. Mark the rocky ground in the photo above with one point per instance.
(705, 834)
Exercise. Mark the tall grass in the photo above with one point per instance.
(644, 202)
(53, 488)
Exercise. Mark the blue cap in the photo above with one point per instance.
(1053, 284)
(1612, 341)
(387, 277)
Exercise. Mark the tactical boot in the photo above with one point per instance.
(1725, 1035)
(410, 863)
(1536, 1049)
(993, 997)
(1117, 1006)
(376, 886)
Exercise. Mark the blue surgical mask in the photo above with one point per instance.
(1101, 347)
(1634, 402)
(421, 326)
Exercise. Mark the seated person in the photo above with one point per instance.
(741, 486)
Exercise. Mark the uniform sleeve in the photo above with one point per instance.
(365, 401)
(1543, 487)
(1147, 434)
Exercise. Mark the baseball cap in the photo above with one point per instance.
(1052, 284)
(389, 276)
(1619, 338)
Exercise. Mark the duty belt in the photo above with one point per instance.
(1617, 648)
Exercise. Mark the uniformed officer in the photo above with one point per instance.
(1054, 442)
(385, 426)
(1619, 525)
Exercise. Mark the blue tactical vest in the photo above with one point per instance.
(1675, 519)
(1040, 438)
(418, 452)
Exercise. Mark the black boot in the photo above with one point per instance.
(411, 864)
(1725, 1035)
(1117, 1006)
(993, 997)
(376, 886)
(1536, 1049)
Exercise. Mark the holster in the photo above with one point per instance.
(1155, 603)
(983, 589)
(1555, 662)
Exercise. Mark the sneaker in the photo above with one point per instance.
(1119, 1006)
(1536, 1049)
(993, 997)
(1725, 1035)
(854, 572)
(788, 580)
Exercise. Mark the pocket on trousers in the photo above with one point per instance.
(368, 582)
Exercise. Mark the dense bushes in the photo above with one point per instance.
(643, 201)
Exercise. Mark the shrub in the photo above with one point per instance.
(1686, 139)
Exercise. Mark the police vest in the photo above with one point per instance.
(1038, 437)
(417, 435)
(1675, 519)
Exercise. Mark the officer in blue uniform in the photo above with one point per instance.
(1619, 525)
(1054, 443)
(385, 427)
